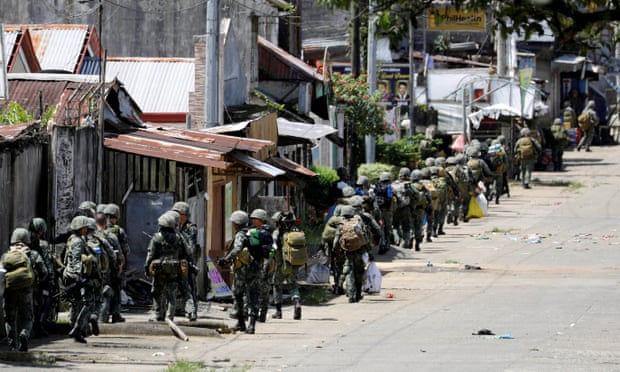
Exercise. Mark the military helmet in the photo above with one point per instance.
(525, 132)
(347, 211)
(239, 218)
(451, 160)
(404, 172)
(440, 162)
(260, 214)
(460, 158)
(181, 207)
(473, 151)
(100, 208)
(434, 171)
(385, 176)
(87, 208)
(348, 191)
(356, 201)
(426, 173)
(79, 222)
(429, 162)
(416, 175)
(20, 235)
(168, 219)
(92, 225)
(484, 147)
(501, 138)
(112, 210)
(557, 121)
(38, 225)
(362, 181)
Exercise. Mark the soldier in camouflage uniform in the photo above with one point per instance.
(113, 212)
(246, 272)
(163, 262)
(402, 212)
(77, 275)
(425, 179)
(18, 306)
(262, 231)
(114, 262)
(42, 293)
(439, 218)
(284, 272)
(187, 286)
(419, 210)
(454, 202)
(354, 264)
(464, 183)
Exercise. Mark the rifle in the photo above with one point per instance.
(72, 290)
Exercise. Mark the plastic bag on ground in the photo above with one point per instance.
(372, 284)
(318, 274)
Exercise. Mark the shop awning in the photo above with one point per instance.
(290, 166)
(261, 169)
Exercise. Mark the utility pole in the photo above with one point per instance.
(350, 145)
(372, 74)
(101, 131)
(412, 78)
(212, 65)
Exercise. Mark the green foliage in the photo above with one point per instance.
(362, 110)
(373, 170)
(317, 190)
(15, 114)
(407, 151)
(185, 366)
(48, 115)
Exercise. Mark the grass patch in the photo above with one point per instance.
(314, 295)
(499, 230)
(451, 262)
(185, 366)
(575, 186)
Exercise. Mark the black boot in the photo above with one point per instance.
(417, 245)
(117, 318)
(94, 327)
(428, 238)
(77, 336)
(297, 311)
(278, 313)
(252, 325)
(262, 315)
(23, 342)
(240, 326)
(440, 231)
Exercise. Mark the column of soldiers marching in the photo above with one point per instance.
(412, 210)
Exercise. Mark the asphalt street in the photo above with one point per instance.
(548, 287)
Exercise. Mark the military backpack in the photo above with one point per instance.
(294, 250)
(353, 234)
(19, 273)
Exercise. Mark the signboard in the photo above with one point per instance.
(451, 19)
(391, 79)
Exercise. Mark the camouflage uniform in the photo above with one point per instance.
(78, 272)
(284, 272)
(419, 209)
(118, 279)
(402, 213)
(187, 286)
(18, 303)
(163, 262)
(354, 265)
(246, 270)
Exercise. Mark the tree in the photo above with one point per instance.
(575, 23)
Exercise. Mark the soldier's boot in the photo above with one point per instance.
(117, 318)
(428, 237)
(23, 342)
(77, 335)
(240, 326)
(417, 244)
(456, 221)
(440, 231)
(297, 310)
(93, 324)
(251, 325)
(278, 313)
(262, 315)
(192, 316)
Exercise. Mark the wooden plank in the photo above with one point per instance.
(172, 172)
(152, 186)
(121, 176)
(144, 173)
(161, 175)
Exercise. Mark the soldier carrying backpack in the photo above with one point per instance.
(23, 268)
(352, 237)
(527, 150)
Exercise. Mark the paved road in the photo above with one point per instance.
(549, 280)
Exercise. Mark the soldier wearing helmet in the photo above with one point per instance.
(163, 263)
(246, 267)
(188, 284)
(113, 213)
(77, 263)
(43, 291)
(262, 232)
(404, 195)
(383, 196)
(18, 301)
(419, 208)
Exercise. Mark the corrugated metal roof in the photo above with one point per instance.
(90, 66)
(57, 46)
(156, 84)
(260, 167)
(9, 44)
(10, 132)
(291, 166)
(281, 65)
(57, 90)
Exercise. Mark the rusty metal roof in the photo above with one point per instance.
(278, 63)
(186, 146)
(61, 91)
(290, 166)
(10, 132)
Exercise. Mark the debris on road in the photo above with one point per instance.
(484, 332)
(472, 267)
(506, 336)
